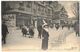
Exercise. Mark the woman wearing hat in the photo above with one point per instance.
(45, 36)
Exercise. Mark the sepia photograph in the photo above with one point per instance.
(40, 26)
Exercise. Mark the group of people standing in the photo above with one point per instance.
(43, 32)
(28, 31)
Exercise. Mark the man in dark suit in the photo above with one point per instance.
(39, 28)
(4, 32)
(76, 28)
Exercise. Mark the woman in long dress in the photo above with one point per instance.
(45, 36)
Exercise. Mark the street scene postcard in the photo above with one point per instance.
(40, 26)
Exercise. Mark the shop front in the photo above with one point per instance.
(22, 19)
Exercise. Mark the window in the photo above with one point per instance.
(48, 11)
(42, 2)
(39, 9)
(29, 4)
(21, 4)
(34, 10)
(42, 11)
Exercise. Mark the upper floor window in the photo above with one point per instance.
(34, 10)
(21, 4)
(48, 11)
(29, 4)
(39, 8)
(42, 2)
(42, 9)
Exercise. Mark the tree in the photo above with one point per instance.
(56, 6)
(63, 13)
(59, 11)
(75, 8)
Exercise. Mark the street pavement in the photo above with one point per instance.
(59, 41)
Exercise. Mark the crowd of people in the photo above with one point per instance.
(43, 32)
(28, 31)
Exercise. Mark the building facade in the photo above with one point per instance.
(29, 12)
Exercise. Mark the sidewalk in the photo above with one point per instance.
(16, 42)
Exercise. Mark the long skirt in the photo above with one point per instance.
(45, 44)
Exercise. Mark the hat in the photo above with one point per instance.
(44, 25)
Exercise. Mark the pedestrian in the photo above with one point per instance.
(45, 37)
(57, 26)
(24, 30)
(4, 32)
(39, 28)
(76, 28)
(62, 26)
(69, 26)
(31, 32)
(20, 26)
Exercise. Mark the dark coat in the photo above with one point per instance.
(57, 26)
(39, 28)
(45, 36)
(4, 30)
(76, 27)
(24, 31)
(31, 32)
